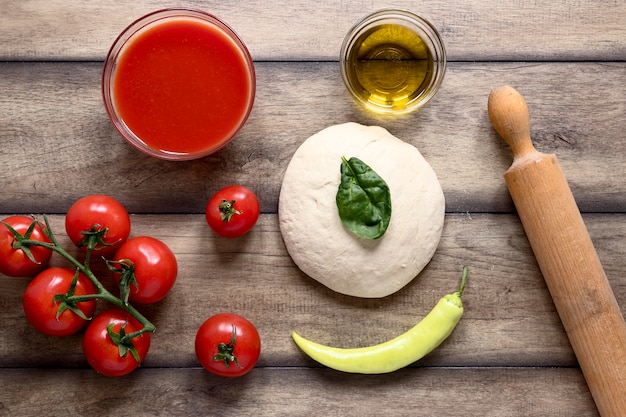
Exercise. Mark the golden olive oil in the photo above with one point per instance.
(390, 66)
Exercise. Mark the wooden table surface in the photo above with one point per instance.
(509, 355)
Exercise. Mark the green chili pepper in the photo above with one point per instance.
(396, 353)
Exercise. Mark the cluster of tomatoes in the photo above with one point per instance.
(60, 301)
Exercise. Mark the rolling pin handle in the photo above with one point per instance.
(508, 113)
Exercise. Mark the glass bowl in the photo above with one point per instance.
(392, 61)
(178, 84)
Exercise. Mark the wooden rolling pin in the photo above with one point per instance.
(568, 261)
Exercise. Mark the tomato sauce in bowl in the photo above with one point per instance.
(178, 84)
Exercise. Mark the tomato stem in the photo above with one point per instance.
(225, 351)
(228, 210)
(102, 293)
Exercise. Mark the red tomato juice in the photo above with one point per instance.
(183, 86)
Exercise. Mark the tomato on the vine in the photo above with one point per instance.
(42, 310)
(103, 353)
(228, 345)
(16, 262)
(91, 215)
(154, 266)
(232, 211)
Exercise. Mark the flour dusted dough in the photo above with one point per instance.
(313, 233)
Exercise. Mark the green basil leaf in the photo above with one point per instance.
(363, 199)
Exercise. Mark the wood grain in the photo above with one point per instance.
(509, 320)
(54, 112)
(511, 30)
(191, 391)
(508, 357)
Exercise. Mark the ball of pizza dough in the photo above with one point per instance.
(316, 239)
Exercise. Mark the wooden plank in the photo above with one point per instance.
(467, 392)
(58, 144)
(509, 355)
(510, 319)
(299, 30)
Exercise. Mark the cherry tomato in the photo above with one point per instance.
(41, 310)
(101, 212)
(155, 268)
(228, 345)
(232, 211)
(103, 354)
(15, 262)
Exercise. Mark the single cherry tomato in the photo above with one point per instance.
(41, 309)
(232, 211)
(102, 352)
(154, 266)
(15, 262)
(93, 214)
(228, 345)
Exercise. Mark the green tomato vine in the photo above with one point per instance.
(69, 300)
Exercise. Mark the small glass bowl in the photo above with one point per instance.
(392, 61)
(204, 144)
